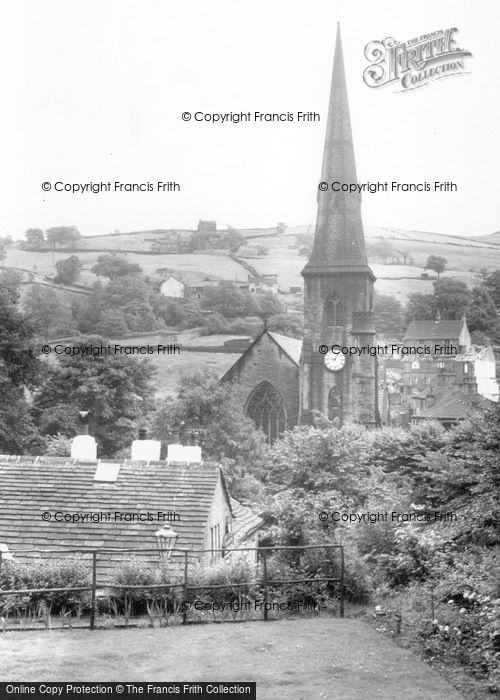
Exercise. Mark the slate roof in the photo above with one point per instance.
(245, 522)
(452, 404)
(30, 486)
(434, 330)
(291, 346)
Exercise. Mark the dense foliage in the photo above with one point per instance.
(117, 390)
(19, 372)
(441, 573)
(227, 435)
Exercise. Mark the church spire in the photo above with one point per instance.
(339, 241)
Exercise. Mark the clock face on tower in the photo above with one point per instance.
(334, 361)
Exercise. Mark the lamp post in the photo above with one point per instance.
(165, 540)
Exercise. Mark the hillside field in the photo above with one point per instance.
(465, 257)
(216, 265)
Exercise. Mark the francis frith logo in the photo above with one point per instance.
(416, 62)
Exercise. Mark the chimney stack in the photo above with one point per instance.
(144, 450)
(191, 454)
(83, 445)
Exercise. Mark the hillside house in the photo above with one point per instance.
(437, 333)
(263, 283)
(173, 288)
(175, 242)
(184, 284)
(207, 227)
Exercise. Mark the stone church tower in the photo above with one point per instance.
(338, 283)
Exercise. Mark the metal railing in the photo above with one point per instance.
(183, 558)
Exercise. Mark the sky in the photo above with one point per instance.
(94, 92)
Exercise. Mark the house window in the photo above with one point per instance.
(466, 368)
(334, 311)
(267, 410)
(415, 365)
(440, 365)
(215, 542)
(427, 380)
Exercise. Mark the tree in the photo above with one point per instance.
(46, 311)
(389, 316)
(319, 460)
(304, 242)
(287, 324)
(112, 265)
(68, 270)
(381, 250)
(20, 370)
(11, 278)
(464, 477)
(62, 236)
(171, 311)
(482, 314)
(112, 324)
(117, 390)
(132, 296)
(229, 300)
(452, 298)
(420, 307)
(227, 435)
(436, 263)
(35, 238)
(268, 304)
(233, 240)
(492, 284)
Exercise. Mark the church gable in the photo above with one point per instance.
(266, 382)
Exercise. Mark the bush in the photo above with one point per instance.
(455, 615)
(228, 575)
(64, 573)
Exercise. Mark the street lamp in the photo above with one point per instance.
(165, 540)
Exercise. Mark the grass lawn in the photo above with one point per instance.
(289, 659)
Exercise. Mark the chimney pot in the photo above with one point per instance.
(83, 445)
(83, 423)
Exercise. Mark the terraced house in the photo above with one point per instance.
(82, 503)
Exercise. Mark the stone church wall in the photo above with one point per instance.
(266, 361)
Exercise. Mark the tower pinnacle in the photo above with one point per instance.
(339, 240)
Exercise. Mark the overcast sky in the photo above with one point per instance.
(94, 91)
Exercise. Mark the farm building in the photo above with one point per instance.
(173, 288)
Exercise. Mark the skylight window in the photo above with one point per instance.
(106, 472)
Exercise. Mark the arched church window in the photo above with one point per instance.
(334, 311)
(267, 410)
(335, 405)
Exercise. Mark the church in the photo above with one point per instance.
(281, 381)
